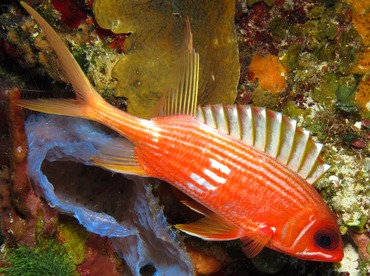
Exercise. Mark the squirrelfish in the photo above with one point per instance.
(248, 169)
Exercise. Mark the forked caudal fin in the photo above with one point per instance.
(86, 96)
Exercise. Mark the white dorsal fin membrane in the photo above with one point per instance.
(234, 121)
(260, 131)
(312, 154)
(221, 118)
(209, 118)
(299, 145)
(247, 124)
(318, 169)
(288, 128)
(273, 120)
(270, 132)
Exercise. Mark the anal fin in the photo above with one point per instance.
(118, 155)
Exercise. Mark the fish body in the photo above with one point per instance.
(257, 191)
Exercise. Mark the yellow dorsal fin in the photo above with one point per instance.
(183, 98)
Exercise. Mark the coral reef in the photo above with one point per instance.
(323, 47)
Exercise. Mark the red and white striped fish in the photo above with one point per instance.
(248, 169)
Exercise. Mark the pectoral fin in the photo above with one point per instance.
(118, 155)
(254, 242)
(214, 227)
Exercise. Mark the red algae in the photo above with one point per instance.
(362, 241)
(72, 14)
(100, 258)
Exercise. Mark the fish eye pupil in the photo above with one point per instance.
(326, 239)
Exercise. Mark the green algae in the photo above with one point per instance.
(291, 57)
(326, 91)
(47, 258)
(157, 28)
(75, 238)
(267, 2)
(293, 111)
(345, 95)
(262, 97)
(359, 225)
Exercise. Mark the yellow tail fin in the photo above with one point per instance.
(86, 96)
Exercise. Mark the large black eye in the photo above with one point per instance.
(326, 238)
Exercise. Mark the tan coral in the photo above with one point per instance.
(269, 72)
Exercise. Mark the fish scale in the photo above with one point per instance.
(248, 170)
(234, 156)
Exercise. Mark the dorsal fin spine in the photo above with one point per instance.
(270, 132)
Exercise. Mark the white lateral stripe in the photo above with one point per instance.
(214, 176)
(217, 165)
(194, 188)
(201, 181)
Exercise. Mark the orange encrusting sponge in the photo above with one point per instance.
(269, 72)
